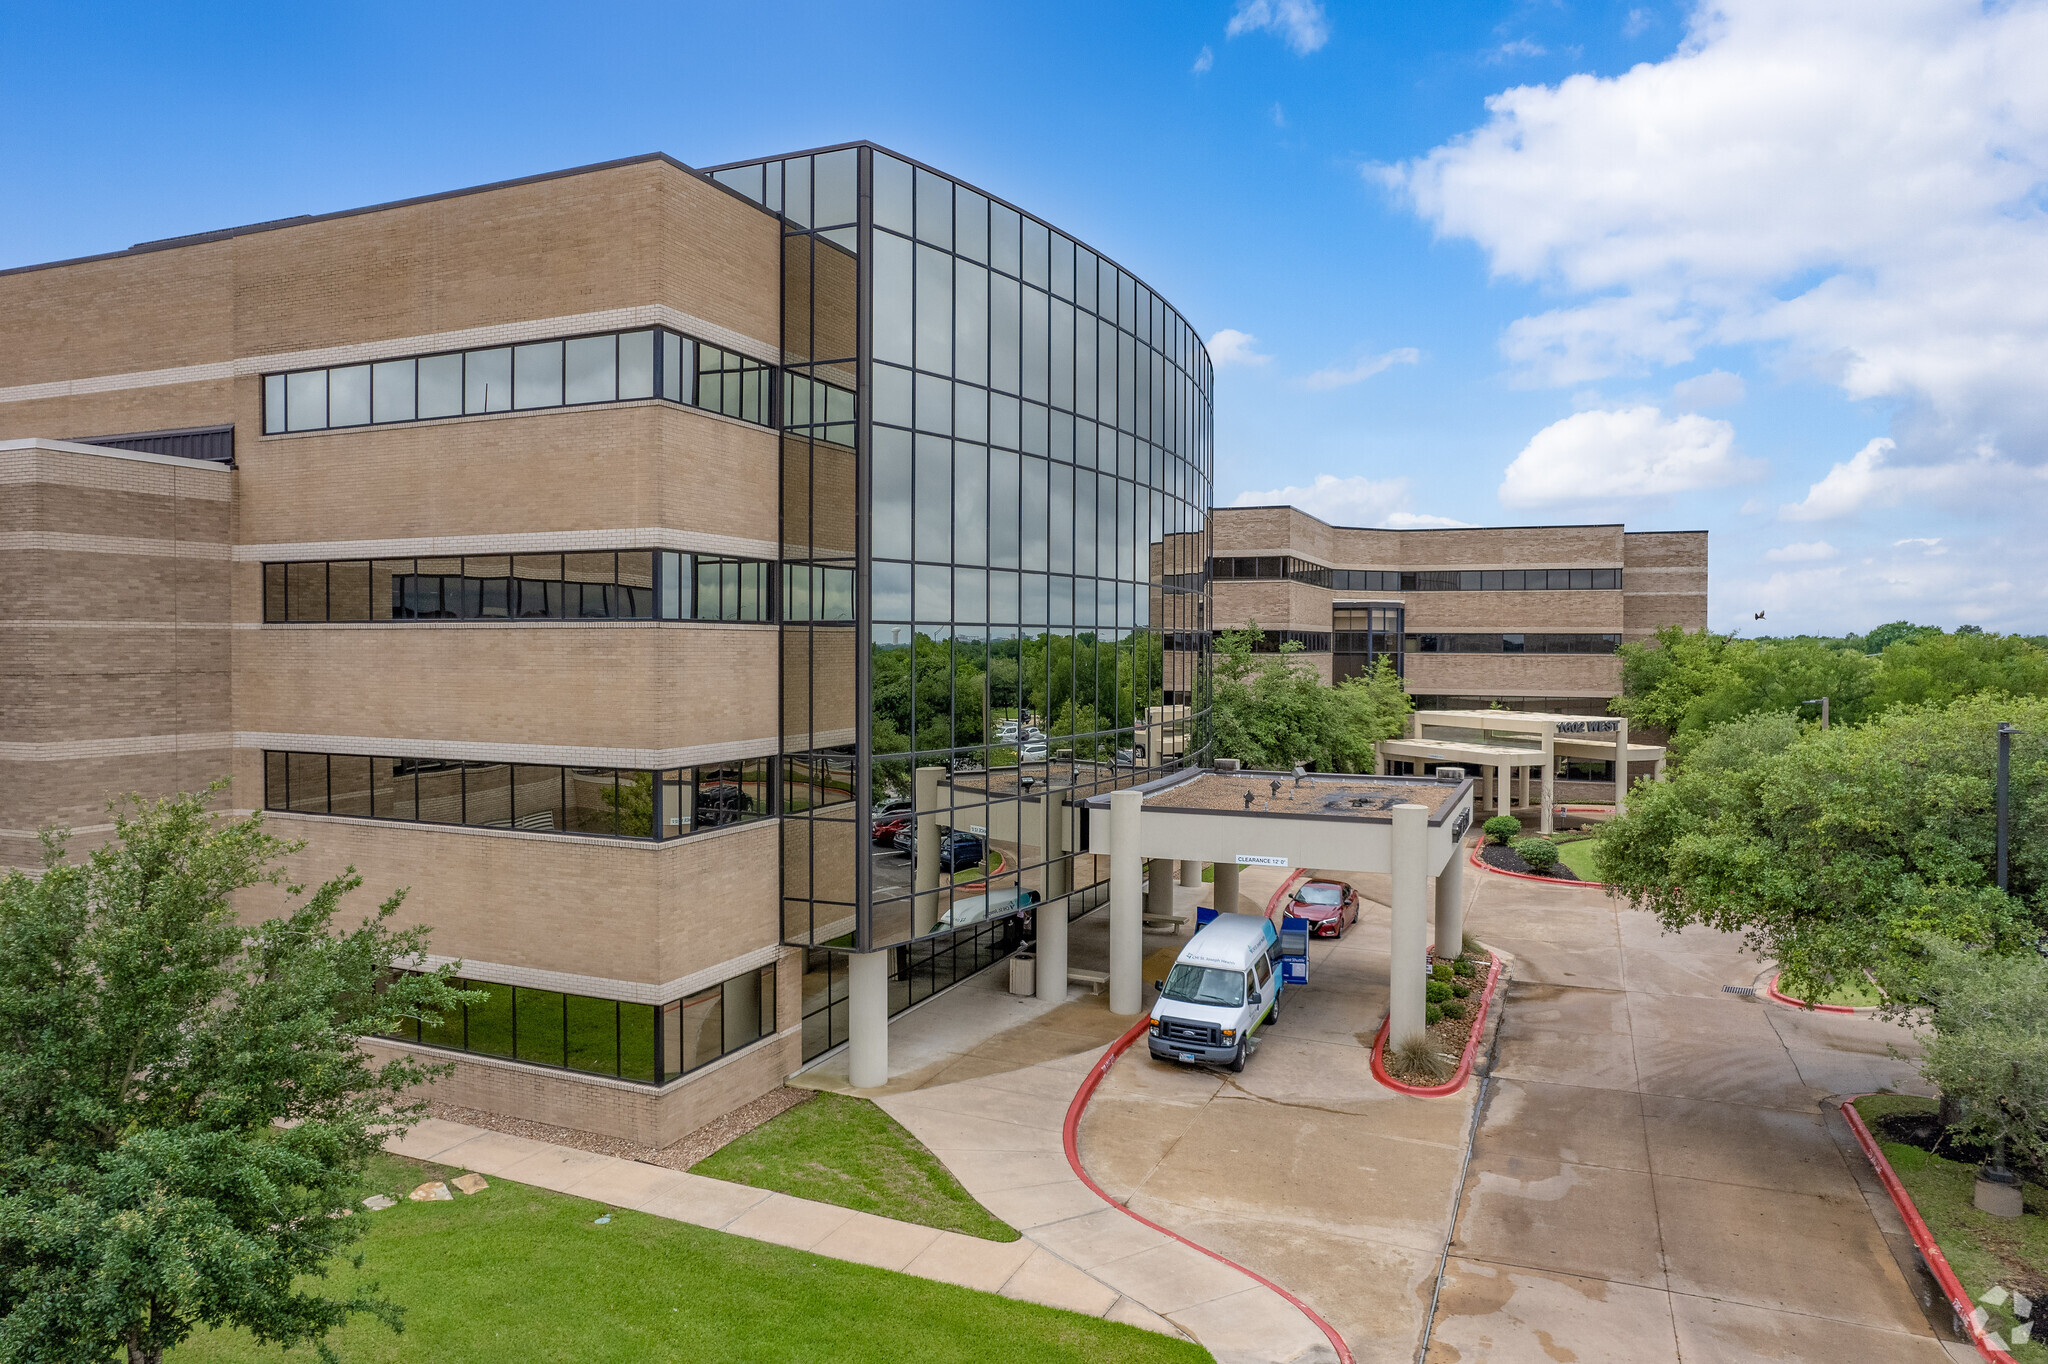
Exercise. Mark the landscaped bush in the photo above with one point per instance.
(1439, 991)
(1539, 853)
(1459, 989)
(1432, 1014)
(1463, 969)
(1452, 1008)
(1501, 828)
(1442, 970)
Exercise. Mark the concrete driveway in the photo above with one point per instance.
(1658, 1174)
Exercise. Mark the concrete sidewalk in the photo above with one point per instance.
(1019, 1269)
(1657, 1176)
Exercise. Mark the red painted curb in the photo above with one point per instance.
(1464, 1071)
(1073, 1127)
(1525, 876)
(1772, 991)
(1273, 900)
(1916, 1225)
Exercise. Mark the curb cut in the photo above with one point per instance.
(1958, 1301)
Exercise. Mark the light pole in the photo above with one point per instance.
(2005, 733)
(1822, 702)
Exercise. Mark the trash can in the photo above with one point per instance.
(1024, 973)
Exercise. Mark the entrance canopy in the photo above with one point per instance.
(1498, 744)
(1409, 827)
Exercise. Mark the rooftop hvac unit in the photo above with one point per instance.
(1450, 776)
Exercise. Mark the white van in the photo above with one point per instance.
(1223, 986)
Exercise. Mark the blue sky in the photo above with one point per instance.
(1774, 269)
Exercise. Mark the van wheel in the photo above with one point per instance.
(1273, 1014)
(1237, 1058)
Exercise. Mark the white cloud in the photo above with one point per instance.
(1861, 188)
(1929, 542)
(1870, 480)
(1520, 47)
(1231, 347)
(1637, 23)
(1628, 452)
(1204, 60)
(1994, 582)
(1301, 23)
(1345, 377)
(1278, 115)
(1715, 388)
(1350, 502)
(1803, 552)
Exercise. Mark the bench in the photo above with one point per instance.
(1096, 981)
(1168, 921)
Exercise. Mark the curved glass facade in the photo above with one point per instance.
(1008, 438)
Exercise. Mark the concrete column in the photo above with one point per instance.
(1406, 979)
(1484, 791)
(1450, 905)
(1523, 772)
(1225, 898)
(1159, 888)
(1500, 788)
(1621, 767)
(1126, 905)
(1657, 771)
(1190, 872)
(1379, 762)
(924, 876)
(1548, 823)
(867, 1019)
(1052, 913)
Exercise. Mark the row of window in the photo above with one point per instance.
(1513, 644)
(631, 584)
(608, 368)
(539, 798)
(1273, 567)
(1568, 769)
(607, 1036)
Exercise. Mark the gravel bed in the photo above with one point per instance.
(1507, 859)
(679, 1155)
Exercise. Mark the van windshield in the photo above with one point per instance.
(1204, 985)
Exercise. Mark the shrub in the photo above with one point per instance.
(1501, 828)
(1474, 948)
(1452, 1009)
(1539, 853)
(1419, 1061)
(1438, 992)
(1443, 970)
(1433, 1014)
(1463, 969)
(1459, 989)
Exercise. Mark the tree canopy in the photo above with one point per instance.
(1686, 683)
(1271, 710)
(1835, 851)
(185, 1114)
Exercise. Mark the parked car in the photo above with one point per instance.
(721, 803)
(1032, 752)
(887, 829)
(994, 905)
(1222, 988)
(895, 805)
(956, 850)
(1006, 731)
(1329, 906)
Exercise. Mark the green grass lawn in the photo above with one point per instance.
(517, 1273)
(1577, 853)
(1983, 1250)
(848, 1152)
(1858, 993)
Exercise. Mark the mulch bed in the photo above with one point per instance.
(1507, 859)
(1448, 1034)
(1924, 1130)
(679, 1155)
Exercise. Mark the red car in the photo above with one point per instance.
(888, 827)
(1329, 906)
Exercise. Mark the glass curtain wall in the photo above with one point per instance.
(1025, 500)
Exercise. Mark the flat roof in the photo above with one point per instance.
(1541, 715)
(1314, 795)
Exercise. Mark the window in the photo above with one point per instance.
(626, 584)
(1585, 769)
(601, 801)
(612, 367)
(1387, 580)
(1514, 644)
(606, 1036)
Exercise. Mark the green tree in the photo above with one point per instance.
(1271, 710)
(1834, 852)
(1986, 1045)
(1661, 679)
(1939, 668)
(185, 1115)
(1884, 636)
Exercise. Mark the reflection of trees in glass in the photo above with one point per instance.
(936, 691)
(633, 803)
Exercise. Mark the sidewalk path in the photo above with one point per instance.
(1657, 1174)
(1019, 1269)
